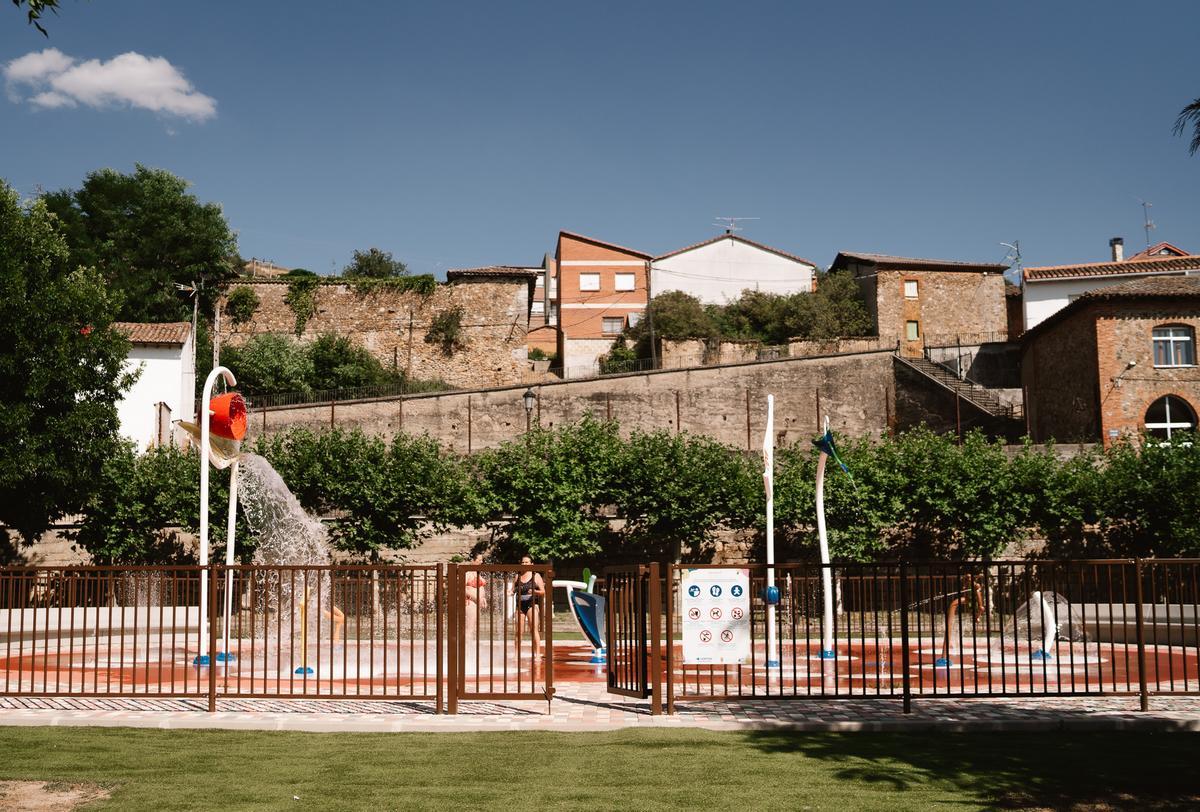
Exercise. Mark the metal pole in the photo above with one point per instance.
(230, 532)
(212, 644)
(655, 640)
(670, 598)
(204, 657)
(827, 652)
(769, 487)
(907, 679)
(1143, 691)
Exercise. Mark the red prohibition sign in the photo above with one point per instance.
(693, 613)
(706, 636)
(736, 613)
(726, 636)
(715, 613)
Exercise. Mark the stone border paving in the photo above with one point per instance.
(588, 707)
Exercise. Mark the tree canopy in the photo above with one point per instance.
(145, 233)
(374, 264)
(34, 9)
(1190, 117)
(61, 366)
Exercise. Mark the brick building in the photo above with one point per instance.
(601, 291)
(919, 301)
(1118, 360)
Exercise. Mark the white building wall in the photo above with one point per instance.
(718, 272)
(581, 356)
(1042, 299)
(167, 377)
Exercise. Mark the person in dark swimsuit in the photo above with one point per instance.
(529, 588)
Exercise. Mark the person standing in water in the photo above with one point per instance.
(530, 588)
(474, 599)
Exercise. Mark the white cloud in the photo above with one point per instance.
(50, 79)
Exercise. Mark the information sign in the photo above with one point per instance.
(716, 616)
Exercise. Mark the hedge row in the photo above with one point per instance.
(552, 494)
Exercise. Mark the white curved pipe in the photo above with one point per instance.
(769, 487)
(205, 449)
(826, 570)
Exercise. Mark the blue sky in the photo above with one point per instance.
(461, 134)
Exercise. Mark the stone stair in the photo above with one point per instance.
(983, 398)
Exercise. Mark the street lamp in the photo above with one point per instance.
(528, 398)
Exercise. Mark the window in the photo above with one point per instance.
(912, 330)
(1169, 414)
(541, 280)
(589, 281)
(625, 281)
(538, 309)
(613, 325)
(910, 288)
(553, 317)
(634, 319)
(1174, 346)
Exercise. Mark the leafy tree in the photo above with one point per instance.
(835, 309)
(551, 487)
(1190, 117)
(145, 233)
(679, 489)
(61, 364)
(270, 363)
(34, 11)
(374, 264)
(338, 363)
(621, 358)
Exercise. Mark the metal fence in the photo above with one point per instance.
(1012, 628)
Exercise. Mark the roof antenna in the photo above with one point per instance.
(1149, 224)
(1014, 255)
(730, 224)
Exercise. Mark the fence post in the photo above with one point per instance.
(670, 598)
(904, 637)
(452, 606)
(439, 593)
(548, 633)
(212, 640)
(1143, 693)
(655, 639)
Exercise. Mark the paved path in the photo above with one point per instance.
(587, 707)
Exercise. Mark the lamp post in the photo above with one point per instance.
(528, 399)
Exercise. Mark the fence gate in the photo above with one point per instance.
(633, 632)
(494, 651)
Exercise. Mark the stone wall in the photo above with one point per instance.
(1060, 378)
(697, 352)
(727, 403)
(392, 325)
(948, 303)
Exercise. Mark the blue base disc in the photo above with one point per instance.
(303, 669)
(201, 659)
(224, 657)
(773, 663)
(599, 656)
(1040, 656)
(942, 662)
(828, 654)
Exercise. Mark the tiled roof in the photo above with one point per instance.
(1162, 249)
(604, 244)
(1126, 268)
(720, 237)
(509, 271)
(175, 332)
(885, 262)
(1153, 287)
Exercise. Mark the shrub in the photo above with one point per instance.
(301, 297)
(241, 304)
(446, 331)
(270, 363)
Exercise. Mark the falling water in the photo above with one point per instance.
(287, 537)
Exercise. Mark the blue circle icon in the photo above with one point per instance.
(693, 590)
(715, 591)
(736, 590)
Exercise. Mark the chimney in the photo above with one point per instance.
(1117, 244)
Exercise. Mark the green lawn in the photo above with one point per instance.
(634, 770)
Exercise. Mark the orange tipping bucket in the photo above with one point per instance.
(228, 418)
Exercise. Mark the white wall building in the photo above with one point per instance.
(1048, 289)
(716, 271)
(165, 389)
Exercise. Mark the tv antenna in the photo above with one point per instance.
(1148, 224)
(1013, 257)
(730, 224)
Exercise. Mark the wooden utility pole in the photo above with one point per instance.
(650, 318)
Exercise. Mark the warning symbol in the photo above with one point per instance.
(715, 613)
(705, 636)
(726, 636)
(693, 613)
(736, 613)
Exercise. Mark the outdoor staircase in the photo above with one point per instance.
(984, 399)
